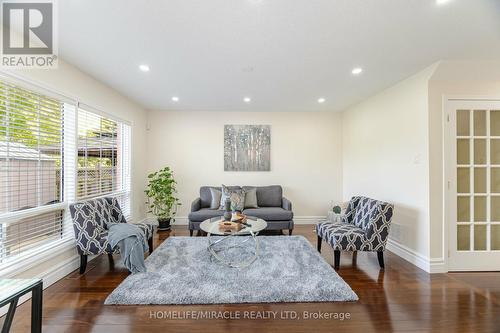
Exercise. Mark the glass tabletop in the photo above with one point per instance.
(211, 226)
(11, 287)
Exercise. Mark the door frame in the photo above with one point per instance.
(449, 164)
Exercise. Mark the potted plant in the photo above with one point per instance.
(162, 201)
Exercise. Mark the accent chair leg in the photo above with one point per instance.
(354, 257)
(191, 232)
(111, 261)
(150, 245)
(83, 263)
(336, 259)
(380, 256)
(290, 232)
(319, 244)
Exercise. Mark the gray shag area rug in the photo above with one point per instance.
(182, 271)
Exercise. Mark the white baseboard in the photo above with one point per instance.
(438, 265)
(430, 265)
(183, 220)
(409, 255)
(308, 219)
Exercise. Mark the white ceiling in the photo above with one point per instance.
(284, 54)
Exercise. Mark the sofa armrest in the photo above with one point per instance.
(196, 205)
(286, 204)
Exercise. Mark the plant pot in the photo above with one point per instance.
(164, 224)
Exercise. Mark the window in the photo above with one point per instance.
(31, 146)
(53, 153)
(103, 154)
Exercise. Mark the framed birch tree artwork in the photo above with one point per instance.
(247, 147)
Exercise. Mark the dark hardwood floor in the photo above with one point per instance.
(402, 298)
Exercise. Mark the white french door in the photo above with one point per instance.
(472, 146)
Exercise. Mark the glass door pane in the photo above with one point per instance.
(479, 151)
(495, 237)
(495, 122)
(479, 209)
(495, 151)
(463, 151)
(495, 180)
(479, 122)
(480, 237)
(463, 238)
(478, 180)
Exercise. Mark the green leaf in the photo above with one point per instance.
(160, 193)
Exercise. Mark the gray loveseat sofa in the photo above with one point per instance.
(275, 209)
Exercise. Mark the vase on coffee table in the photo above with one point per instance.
(227, 208)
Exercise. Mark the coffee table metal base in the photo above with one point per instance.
(218, 246)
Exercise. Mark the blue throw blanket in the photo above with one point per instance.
(132, 244)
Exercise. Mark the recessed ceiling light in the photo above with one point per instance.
(247, 99)
(442, 2)
(144, 68)
(321, 100)
(357, 71)
(175, 99)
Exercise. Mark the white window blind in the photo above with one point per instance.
(32, 154)
(97, 155)
(103, 158)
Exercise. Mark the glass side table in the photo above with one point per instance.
(10, 292)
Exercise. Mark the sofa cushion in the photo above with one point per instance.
(215, 195)
(235, 195)
(270, 213)
(268, 196)
(251, 198)
(206, 197)
(204, 214)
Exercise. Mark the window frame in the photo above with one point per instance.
(34, 256)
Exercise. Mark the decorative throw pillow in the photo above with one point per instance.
(251, 198)
(237, 198)
(216, 195)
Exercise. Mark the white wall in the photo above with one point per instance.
(305, 154)
(385, 156)
(70, 81)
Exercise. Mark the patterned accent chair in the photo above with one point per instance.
(364, 227)
(90, 222)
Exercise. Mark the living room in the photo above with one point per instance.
(277, 166)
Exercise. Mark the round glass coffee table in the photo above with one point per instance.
(231, 248)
